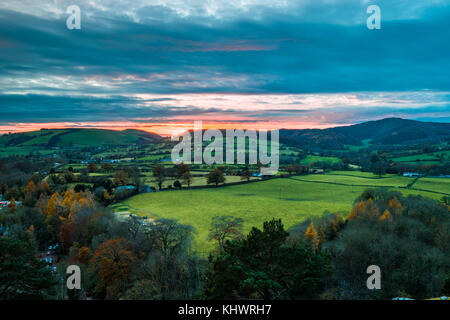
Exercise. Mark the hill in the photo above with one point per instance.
(77, 138)
(387, 131)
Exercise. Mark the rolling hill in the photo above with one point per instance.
(380, 132)
(387, 131)
(77, 138)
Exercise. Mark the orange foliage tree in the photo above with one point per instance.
(113, 259)
(312, 237)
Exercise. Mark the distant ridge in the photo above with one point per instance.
(78, 137)
(386, 131)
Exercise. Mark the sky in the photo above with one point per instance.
(159, 65)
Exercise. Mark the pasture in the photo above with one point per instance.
(292, 199)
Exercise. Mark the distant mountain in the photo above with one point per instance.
(77, 138)
(387, 131)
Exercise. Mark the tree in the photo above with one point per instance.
(170, 238)
(84, 255)
(12, 206)
(245, 174)
(265, 265)
(187, 178)
(312, 237)
(113, 259)
(182, 168)
(30, 188)
(386, 215)
(177, 184)
(22, 274)
(378, 168)
(225, 227)
(405, 245)
(54, 204)
(395, 205)
(290, 169)
(159, 174)
(215, 176)
(121, 178)
(107, 167)
(92, 167)
(44, 188)
(42, 204)
(446, 288)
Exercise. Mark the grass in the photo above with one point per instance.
(292, 199)
(433, 184)
(312, 158)
(69, 138)
(369, 180)
(365, 144)
(426, 158)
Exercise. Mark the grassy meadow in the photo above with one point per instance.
(292, 199)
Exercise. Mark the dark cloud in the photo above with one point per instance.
(309, 48)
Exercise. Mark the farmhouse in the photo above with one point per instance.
(4, 204)
(129, 187)
(412, 174)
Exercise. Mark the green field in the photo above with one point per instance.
(433, 184)
(311, 159)
(425, 158)
(291, 199)
(42, 140)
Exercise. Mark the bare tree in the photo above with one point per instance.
(223, 228)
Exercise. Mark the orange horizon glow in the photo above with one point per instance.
(174, 128)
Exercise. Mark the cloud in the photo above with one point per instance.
(316, 57)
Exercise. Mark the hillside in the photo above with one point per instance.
(77, 138)
(380, 132)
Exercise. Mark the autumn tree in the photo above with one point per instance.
(44, 188)
(395, 205)
(364, 208)
(54, 210)
(54, 204)
(30, 188)
(92, 167)
(84, 255)
(12, 206)
(312, 237)
(121, 178)
(386, 215)
(112, 260)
